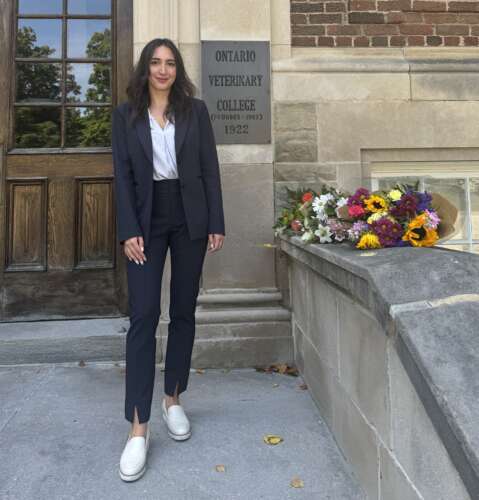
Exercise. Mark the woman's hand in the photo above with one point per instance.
(134, 248)
(215, 242)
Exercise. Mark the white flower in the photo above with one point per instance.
(340, 203)
(307, 236)
(317, 205)
(324, 198)
(324, 234)
(321, 215)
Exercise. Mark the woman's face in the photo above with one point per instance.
(162, 69)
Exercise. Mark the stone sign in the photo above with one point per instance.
(236, 88)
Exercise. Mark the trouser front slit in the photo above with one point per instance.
(168, 230)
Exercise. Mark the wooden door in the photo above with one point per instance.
(63, 67)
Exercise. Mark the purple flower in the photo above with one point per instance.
(338, 229)
(405, 207)
(357, 229)
(358, 197)
(433, 219)
(424, 201)
(388, 232)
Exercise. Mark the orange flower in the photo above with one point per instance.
(418, 235)
(307, 196)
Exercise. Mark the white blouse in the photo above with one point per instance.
(164, 154)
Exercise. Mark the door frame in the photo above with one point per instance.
(122, 64)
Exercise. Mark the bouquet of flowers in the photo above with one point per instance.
(314, 215)
(398, 217)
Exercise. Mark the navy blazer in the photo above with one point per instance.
(198, 171)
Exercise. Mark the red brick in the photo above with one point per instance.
(343, 29)
(307, 7)
(300, 29)
(468, 18)
(398, 41)
(303, 41)
(433, 41)
(298, 19)
(361, 41)
(439, 18)
(452, 29)
(416, 29)
(379, 41)
(366, 18)
(381, 29)
(452, 41)
(325, 41)
(344, 41)
(362, 5)
(470, 41)
(413, 17)
(429, 6)
(463, 7)
(395, 17)
(335, 7)
(415, 41)
(325, 18)
(388, 5)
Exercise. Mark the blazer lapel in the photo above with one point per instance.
(181, 126)
(142, 126)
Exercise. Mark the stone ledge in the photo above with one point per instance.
(394, 60)
(430, 309)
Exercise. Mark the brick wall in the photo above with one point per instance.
(384, 23)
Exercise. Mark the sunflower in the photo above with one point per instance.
(418, 235)
(368, 240)
(376, 203)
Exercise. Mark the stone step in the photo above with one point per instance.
(235, 337)
(226, 298)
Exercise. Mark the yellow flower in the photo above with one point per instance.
(376, 203)
(376, 216)
(418, 235)
(395, 194)
(368, 240)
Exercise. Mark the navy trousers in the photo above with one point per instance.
(168, 230)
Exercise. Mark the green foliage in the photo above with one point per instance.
(40, 127)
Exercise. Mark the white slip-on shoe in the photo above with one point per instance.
(133, 457)
(177, 422)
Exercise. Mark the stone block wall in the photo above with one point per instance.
(350, 362)
(384, 23)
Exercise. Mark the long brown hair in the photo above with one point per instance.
(138, 91)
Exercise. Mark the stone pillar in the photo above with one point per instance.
(246, 170)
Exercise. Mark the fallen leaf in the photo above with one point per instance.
(272, 439)
(200, 370)
(296, 482)
(275, 385)
(81, 363)
(303, 386)
(220, 468)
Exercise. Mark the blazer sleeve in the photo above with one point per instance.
(127, 221)
(211, 173)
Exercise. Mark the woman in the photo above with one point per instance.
(168, 195)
